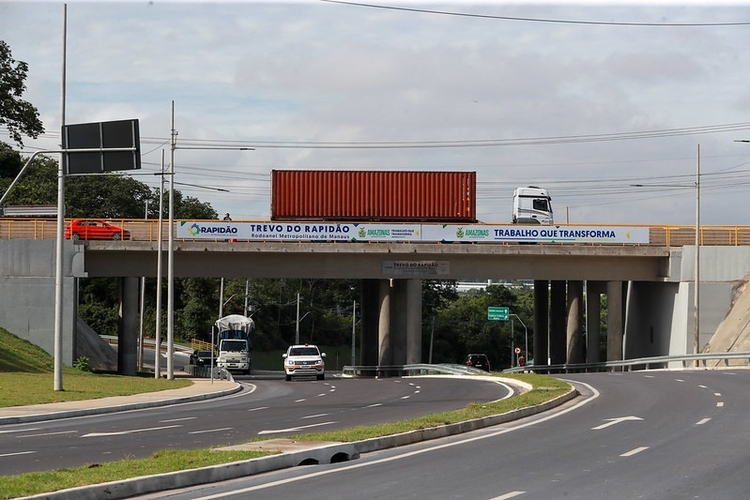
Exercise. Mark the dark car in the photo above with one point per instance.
(95, 229)
(201, 358)
(479, 361)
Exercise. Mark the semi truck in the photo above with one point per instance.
(233, 336)
(373, 196)
(392, 196)
(532, 205)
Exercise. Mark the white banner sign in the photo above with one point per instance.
(472, 233)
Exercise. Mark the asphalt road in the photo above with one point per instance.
(266, 406)
(642, 435)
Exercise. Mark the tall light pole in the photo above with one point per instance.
(525, 336)
(157, 333)
(170, 257)
(696, 304)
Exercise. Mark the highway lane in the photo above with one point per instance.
(642, 435)
(269, 407)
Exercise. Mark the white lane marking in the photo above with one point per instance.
(206, 431)
(613, 421)
(702, 386)
(720, 404)
(317, 416)
(702, 421)
(405, 397)
(634, 451)
(20, 430)
(374, 405)
(510, 494)
(46, 434)
(717, 394)
(176, 419)
(258, 408)
(648, 376)
(131, 431)
(595, 395)
(321, 395)
(16, 453)
(300, 400)
(678, 380)
(417, 392)
(294, 429)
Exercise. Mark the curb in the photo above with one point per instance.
(116, 490)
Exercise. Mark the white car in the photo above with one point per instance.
(304, 361)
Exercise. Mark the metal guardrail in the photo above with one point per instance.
(646, 363)
(409, 370)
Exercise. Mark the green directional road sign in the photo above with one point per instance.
(498, 313)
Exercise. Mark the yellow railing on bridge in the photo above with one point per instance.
(148, 230)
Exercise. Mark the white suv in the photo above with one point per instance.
(304, 361)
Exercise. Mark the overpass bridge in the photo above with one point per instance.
(649, 286)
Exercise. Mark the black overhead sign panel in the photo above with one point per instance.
(111, 145)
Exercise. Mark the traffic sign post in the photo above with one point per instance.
(498, 313)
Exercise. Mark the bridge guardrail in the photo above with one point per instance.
(653, 362)
(148, 230)
(409, 370)
(648, 363)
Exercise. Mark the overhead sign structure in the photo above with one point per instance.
(93, 148)
(498, 313)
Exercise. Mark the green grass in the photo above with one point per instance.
(26, 378)
(159, 463)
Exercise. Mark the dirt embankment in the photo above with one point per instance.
(733, 334)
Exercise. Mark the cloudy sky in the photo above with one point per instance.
(585, 99)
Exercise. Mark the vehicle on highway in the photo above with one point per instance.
(479, 361)
(234, 343)
(95, 229)
(202, 357)
(304, 361)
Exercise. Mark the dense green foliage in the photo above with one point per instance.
(17, 115)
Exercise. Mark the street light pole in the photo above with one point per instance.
(696, 331)
(525, 336)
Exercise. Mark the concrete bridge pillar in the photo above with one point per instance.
(370, 312)
(574, 332)
(541, 322)
(127, 336)
(615, 320)
(557, 323)
(391, 322)
(594, 291)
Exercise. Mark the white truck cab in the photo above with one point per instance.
(532, 205)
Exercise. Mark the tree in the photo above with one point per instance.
(19, 116)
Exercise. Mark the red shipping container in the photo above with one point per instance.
(388, 196)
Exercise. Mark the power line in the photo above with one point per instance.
(538, 19)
